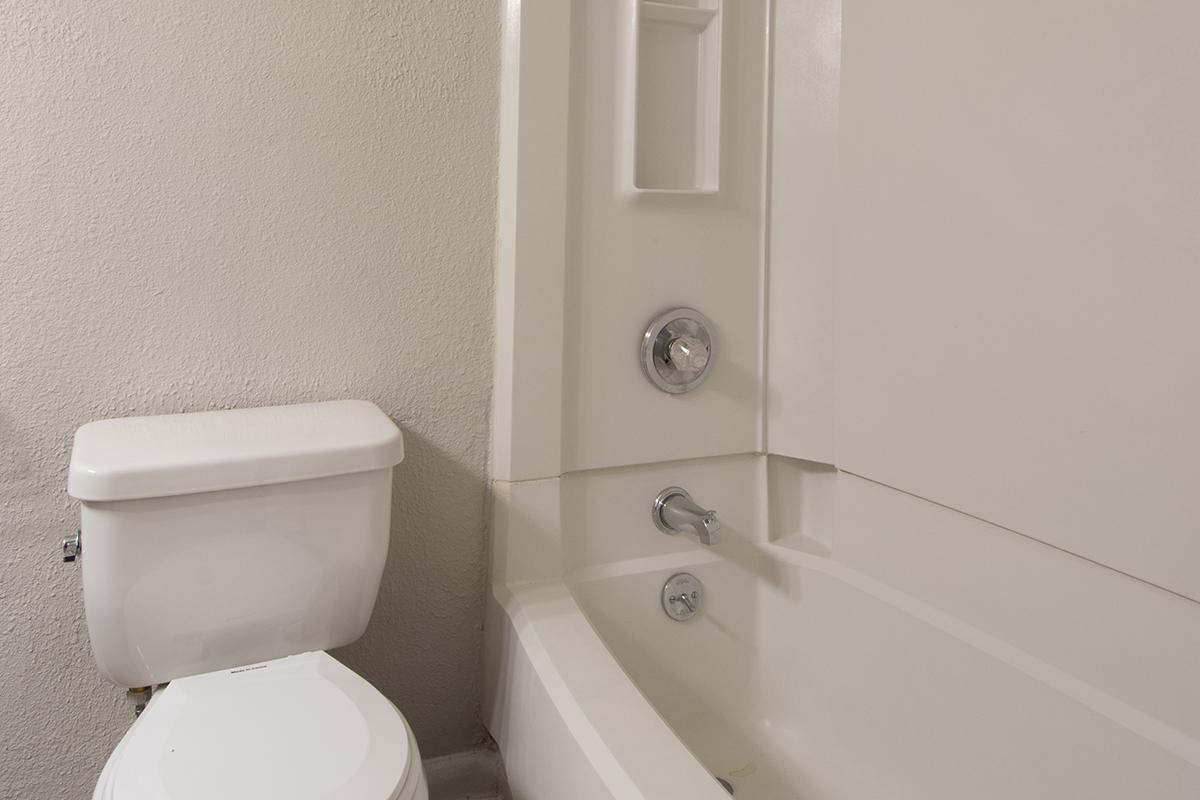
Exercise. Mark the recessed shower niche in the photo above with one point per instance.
(677, 87)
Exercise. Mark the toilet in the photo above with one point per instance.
(223, 553)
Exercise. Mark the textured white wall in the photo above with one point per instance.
(224, 203)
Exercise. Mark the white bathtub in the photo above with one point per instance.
(800, 678)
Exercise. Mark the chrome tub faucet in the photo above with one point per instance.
(675, 512)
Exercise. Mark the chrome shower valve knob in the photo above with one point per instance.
(688, 354)
(677, 350)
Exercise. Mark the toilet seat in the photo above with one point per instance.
(302, 727)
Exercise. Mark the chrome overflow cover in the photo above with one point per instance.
(677, 350)
(682, 595)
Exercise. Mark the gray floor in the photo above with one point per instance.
(473, 775)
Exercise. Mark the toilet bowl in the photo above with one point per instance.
(302, 727)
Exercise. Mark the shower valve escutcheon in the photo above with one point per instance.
(675, 512)
(677, 350)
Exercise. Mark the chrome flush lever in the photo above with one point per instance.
(72, 547)
(675, 512)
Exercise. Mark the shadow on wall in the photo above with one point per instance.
(413, 653)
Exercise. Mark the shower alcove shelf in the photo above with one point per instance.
(676, 89)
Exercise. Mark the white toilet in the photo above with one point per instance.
(224, 552)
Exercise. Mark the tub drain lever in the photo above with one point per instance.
(682, 595)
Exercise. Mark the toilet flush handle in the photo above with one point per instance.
(72, 546)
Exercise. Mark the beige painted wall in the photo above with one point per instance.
(232, 204)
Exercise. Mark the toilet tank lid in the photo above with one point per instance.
(173, 454)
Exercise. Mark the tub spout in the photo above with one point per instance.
(676, 512)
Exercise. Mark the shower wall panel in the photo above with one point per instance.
(646, 236)
(800, 280)
(1017, 335)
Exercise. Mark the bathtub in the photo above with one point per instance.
(800, 677)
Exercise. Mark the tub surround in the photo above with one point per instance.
(945, 478)
(807, 673)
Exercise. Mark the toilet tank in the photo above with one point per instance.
(224, 538)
